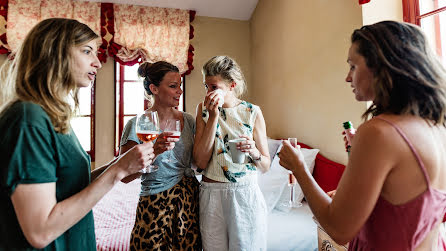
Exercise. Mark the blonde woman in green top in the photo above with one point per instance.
(47, 191)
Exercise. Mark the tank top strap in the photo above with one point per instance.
(412, 148)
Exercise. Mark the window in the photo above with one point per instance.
(129, 98)
(83, 122)
(430, 15)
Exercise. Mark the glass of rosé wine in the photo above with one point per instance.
(174, 127)
(292, 182)
(147, 129)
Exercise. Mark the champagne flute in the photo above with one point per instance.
(147, 129)
(292, 182)
(174, 127)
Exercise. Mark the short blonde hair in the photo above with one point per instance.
(228, 70)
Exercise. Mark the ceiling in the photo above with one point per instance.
(230, 9)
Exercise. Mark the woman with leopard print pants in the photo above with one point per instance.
(167, 213)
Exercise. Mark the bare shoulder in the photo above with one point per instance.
(378, 143)
(376, 130)
(386, 127)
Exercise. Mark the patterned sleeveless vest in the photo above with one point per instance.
(232, 122)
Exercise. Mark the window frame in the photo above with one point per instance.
(411, 14)
(92, 121)
(92, 116)
(119, 116)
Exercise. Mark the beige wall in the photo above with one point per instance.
(216, 36)
(105, 111)
(298, 64)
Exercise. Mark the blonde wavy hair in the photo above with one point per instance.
(228, 70)
(41, 71)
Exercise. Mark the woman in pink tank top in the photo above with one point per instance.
(392, 195)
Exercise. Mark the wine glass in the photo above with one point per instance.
(174, 127)
(147, 129)
(292, 183)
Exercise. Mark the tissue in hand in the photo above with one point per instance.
(221, 98)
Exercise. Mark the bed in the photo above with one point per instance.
(114, 216)
(288, 229)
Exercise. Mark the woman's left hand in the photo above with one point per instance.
(291, 158)
(249, 146)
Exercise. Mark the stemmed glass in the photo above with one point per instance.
(147, 129)
(292, 182)
(174, 127)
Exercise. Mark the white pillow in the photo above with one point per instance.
(271, 183)
(310, 159)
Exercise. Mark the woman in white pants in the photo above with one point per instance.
(232, 208)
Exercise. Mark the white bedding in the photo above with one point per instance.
(293, 230)
(115, 214)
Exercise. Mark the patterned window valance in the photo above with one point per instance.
(152, 34)
(129, 33)
(23, 15)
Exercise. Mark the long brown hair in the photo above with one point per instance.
(409, 78)
(41, 72)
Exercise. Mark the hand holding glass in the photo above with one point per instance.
(147, 129)
(292, 182)
(173, 126)
(236, 154)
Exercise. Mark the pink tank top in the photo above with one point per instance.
(402, 227)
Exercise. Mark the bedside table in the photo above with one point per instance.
(324, 241)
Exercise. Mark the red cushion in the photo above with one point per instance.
(327, 173)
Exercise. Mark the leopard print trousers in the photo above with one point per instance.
(168, 220)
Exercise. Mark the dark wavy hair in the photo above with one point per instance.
(409, 78)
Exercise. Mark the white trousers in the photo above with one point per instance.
(233, 216)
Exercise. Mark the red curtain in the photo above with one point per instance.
(363, 1)
(4, 14)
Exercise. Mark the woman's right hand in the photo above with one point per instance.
(135, 159)
(211, 101)
(292, 158)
